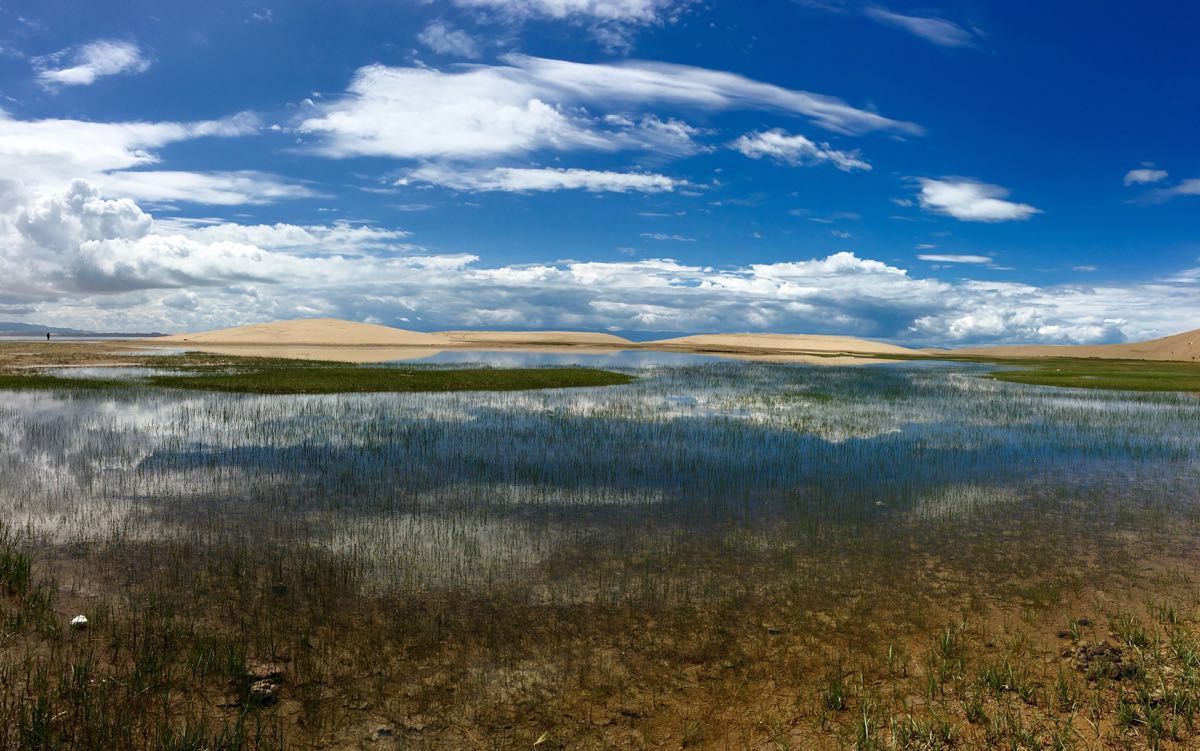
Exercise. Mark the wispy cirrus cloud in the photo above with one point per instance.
(122, 158)
(518, 179)
(219, 188)
(971, 201)
(934, 29)
(58, 150)
(84, 65)
(796, 150)
(629, 11)
(532, 104)
(951, 258)
(1189, 187)
(1144, 176)
(613, 22)
(444, 39)
(939, 31)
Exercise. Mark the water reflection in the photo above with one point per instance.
(463, 488)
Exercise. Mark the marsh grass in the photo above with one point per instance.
(269, 376)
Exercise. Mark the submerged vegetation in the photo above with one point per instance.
(719, 555)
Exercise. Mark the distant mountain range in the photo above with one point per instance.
(14, 328)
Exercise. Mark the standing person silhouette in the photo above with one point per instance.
(47, 336)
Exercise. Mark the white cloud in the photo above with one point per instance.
(119, 157)
(76, 258)
(971, 201)
(533, 104)
(628, 11)
(56, 151)
(796, 150)
(662, 236)
(1144, 176)
(447, 40)
(1190, 187)
(345, 238)
(542, 179)
(939, 258)
(89, 62)
(931, 29)
(215, 188)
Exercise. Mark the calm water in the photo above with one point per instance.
(697, 461)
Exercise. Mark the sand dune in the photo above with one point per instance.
(312, 332)
(333, 339)
(1185, 346)
(779, 343)
(544, 338)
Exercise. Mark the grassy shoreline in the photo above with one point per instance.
(253, 375)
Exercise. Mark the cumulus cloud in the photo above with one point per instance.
(796, 150)
(939, 31)
(447, 40)
(515, 179)
(971, 201)
(90, 62)
(1144, 176)
(77, 258)
(940, 258)
(531, 104)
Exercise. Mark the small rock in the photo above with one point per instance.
(79, 622)
(263, 693)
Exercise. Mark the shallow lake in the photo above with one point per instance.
(700, 466)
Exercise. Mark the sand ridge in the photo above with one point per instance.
(1178, 347)
(349, 341)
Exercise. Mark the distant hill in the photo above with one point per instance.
(16, 328)
(1185, 346)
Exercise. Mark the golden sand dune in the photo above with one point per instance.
(310, 332)
(779, 343)
(543, 338)
(1185, 346)
(333, 339)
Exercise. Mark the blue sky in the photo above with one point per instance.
(963, 173)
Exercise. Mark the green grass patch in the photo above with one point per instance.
(270, 376)
(1083, 373)
(343, 379)
(38, 382)
(1125, 375)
